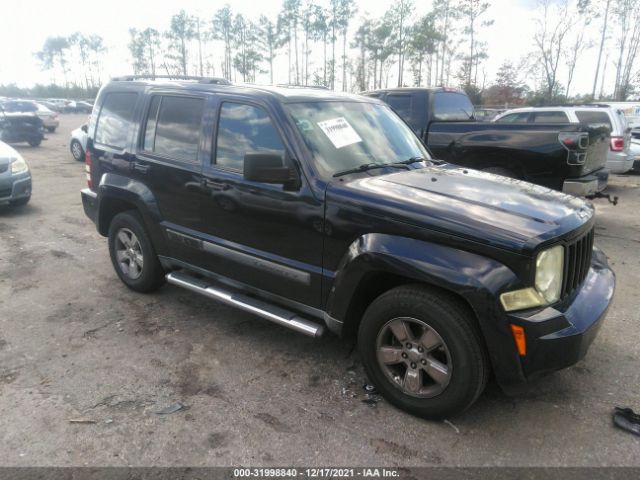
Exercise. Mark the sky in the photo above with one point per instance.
(26, 25)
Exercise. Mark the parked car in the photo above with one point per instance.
(442, 273)
(83, 107)
(634, 152)
(561, 156)
(49, 118)
(15, 177)
(21, 127)
(78, 142)
(618, 159)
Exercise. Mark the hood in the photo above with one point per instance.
(508, 213)
(7, 152)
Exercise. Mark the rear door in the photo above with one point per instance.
(168, 161)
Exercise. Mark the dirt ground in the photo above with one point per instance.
(75, 344)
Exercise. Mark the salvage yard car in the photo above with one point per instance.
(562, 156)
(15, 177)
(21, 127)
(315, 209)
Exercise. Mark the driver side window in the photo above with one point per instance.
(244, 129)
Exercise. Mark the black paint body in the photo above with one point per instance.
(326, 246)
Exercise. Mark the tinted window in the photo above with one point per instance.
(593, 117)
(244, 129)
(115, 120)
(401, 104)
(550, 117)
(514, 118)
(451, 106)
(176, 122)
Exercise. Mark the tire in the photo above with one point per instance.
(76, 150)
(34, 142)
(505, 172)
(51, 129)
(21, 202)
(449, 337)
(132, 254)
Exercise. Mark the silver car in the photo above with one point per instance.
(78, 142)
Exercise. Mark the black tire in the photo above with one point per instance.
(21, 202)
(76, 150)
(466, 356)
(51, 129)
(151, 276)
(35, 142)
(505, 172)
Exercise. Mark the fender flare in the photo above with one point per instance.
(477, 279)
(114, 187)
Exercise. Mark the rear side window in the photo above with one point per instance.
(593, 117)
(173, 127)
(244, 129)
(401, 104)
(115, 120)
(550, 117)
(451, 106)
(514, 118)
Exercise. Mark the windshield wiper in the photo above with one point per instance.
(411, 160)
(367, 166)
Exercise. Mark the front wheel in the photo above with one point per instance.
(35, 142)
(423, 351)
(132, 254)
(51, 129)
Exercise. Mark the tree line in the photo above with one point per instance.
(332, 44)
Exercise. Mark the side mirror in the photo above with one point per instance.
(265, 168)
(84, 128)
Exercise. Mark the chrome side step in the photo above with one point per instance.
(277, 315)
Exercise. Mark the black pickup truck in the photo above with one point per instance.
(562, 156)
(316, 209)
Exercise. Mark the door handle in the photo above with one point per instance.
(216, 185)
(139, 166)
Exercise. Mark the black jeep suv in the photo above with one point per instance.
(311, 209)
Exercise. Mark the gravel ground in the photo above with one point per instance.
(75, 344)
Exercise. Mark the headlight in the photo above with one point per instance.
(549, 270)
(548, 283)
(19, 166)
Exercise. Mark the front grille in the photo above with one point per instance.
(577, 260)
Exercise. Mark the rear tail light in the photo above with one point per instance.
(617, 144)
(87, 168)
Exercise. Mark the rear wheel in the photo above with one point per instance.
(76, 150)
(35, 142)
(423, 351)
(51, 129)
(132, 254)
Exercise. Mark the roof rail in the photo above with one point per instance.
(293, 85)
(211, 80)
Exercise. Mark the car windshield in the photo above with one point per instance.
(348, 135)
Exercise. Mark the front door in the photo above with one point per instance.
(268, 236)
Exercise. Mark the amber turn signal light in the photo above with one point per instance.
(519, 338)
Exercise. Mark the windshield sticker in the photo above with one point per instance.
(340, 132)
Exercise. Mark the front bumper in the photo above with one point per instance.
(15, 187)
(588, 185)
(559, 336)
